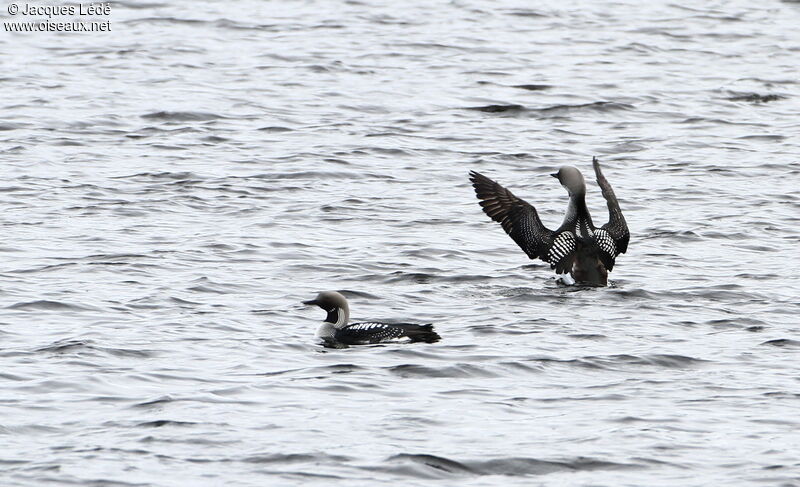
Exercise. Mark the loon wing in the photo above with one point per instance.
(372, 332)
(361, 333)
(613, 237)
(521, 222)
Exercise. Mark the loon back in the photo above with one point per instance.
(375, 332)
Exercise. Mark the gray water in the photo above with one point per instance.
(172, 190)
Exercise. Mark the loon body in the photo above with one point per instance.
(336, 330)
(577, 247)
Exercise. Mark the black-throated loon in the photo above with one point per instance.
(577, 247)
(335, 329)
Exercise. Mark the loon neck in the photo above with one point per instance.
(577, 210)
(338, 317)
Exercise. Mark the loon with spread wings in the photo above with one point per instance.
(577, 247)
(335, 330)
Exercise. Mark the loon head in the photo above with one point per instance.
(336, 306)
(572, 180)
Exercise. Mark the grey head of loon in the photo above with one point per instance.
(572, 180)
(336, 306)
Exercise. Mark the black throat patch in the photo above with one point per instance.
(333, 315)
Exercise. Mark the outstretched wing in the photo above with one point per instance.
(521, 222)
(613, 237)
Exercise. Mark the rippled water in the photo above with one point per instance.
(171, 191)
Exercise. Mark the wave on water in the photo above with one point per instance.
(428, 466)
(555, 110)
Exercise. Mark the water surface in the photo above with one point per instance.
(172, 190)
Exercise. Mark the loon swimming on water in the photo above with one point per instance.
(577, 247)
(336, 330)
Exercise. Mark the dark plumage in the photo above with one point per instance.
(364, 333)
(336, 330)
(577, 247)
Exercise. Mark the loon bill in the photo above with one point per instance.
(335, 330)
(577, 247)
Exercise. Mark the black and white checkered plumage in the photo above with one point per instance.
(576, 247)
(365, 333)
(336, 330)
